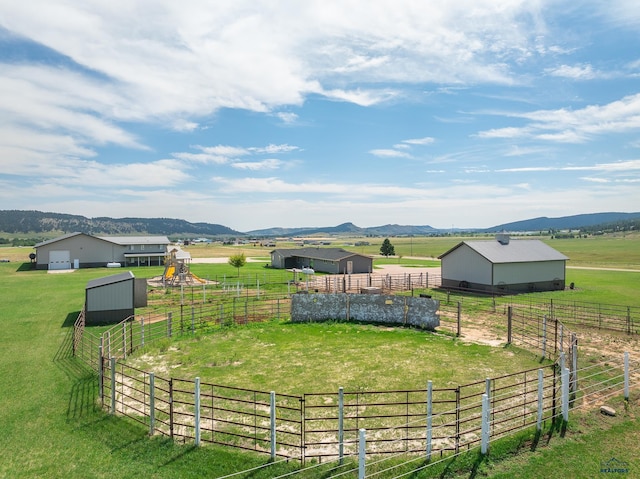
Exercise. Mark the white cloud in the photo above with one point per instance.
(618, 166)
(287, 118)
(427, 140)
(271, 149)
(574, 126)
(225, 154)
(595, 180)
(184, 125)
(576, 72)
(271, 164)
(389, 153)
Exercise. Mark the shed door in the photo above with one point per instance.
(59, 260)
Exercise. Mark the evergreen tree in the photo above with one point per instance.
(387, 248)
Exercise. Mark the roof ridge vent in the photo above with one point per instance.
(502, 238)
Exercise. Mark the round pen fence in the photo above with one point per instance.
(328, 426)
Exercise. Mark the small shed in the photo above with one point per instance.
(112, 299)
(503, 266)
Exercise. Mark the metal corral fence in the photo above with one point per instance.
(581, 313)
(326, 426)
(386, 283)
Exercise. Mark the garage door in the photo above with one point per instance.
(59, 260)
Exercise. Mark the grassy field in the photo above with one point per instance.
(297, 358)
(50, 425)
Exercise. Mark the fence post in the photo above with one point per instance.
(112, 364)
(457, 450)
(485, 424)
(565, 394)
(152, 403)
(101, 370)
(509, 323)
(540, 399)
(196, 404)
(169, 317)
(574, 366)
(626, 376)
(341, 424)
(124, 339)
(348, 308)
(272, 409)
(108, 355)
(362, 453)
(429, 418)
(142, 331)
(171, 408)
(459, 314)
(544, 336)
(193, 319)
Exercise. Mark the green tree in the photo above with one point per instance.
(238, 261)
(387, 248)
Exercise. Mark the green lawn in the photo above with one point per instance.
(50, 425)
(309, 358)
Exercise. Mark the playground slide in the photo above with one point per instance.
(200, 280)
(170, 271)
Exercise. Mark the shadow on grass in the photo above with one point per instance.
(70, 319)
(84, 380)
(461, 465)
(26, 267)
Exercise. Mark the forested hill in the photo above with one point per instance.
(38, 223)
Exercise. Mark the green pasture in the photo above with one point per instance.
(304, 358)
(52, 427)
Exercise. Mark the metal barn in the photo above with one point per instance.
(503, 266)
(326, 260)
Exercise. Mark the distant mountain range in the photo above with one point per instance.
(40, 223)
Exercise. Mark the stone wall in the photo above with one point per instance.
(368, 308)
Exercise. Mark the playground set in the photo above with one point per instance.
(177, 271)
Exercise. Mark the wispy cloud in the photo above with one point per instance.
(619, 166)
(271, 164)
(573, 126)
(427, 140)
(389, 153)
(575, 72)
(226, 154)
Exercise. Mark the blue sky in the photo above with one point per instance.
(256, 114)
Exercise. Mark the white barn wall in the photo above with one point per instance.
(518, 273)
(464, 264)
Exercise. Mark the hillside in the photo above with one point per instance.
(39, 223)
(348, 229)
(587, 222)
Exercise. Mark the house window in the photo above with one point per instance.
(141, 247)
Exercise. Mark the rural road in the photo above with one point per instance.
(397, 268)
